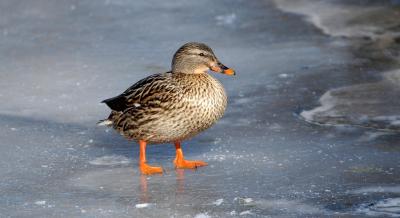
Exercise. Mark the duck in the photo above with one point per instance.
(173, 106)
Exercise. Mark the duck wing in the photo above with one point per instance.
(150, 91)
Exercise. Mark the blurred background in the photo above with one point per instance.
(311, 130)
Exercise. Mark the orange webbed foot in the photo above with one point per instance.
(180, 161)
(149, 170)
(189, 164)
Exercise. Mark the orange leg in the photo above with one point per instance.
(144, 167)
(180, 161)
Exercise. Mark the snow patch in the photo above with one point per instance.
(202, 215)
(246, 212)
(392, 120)
(218, 202)
(40, 203)
(283, 75)
(327, 103)
(143, 205)
(243, 201)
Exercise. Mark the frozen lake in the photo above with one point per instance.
(311, 130)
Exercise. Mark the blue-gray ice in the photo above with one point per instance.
(311, 128)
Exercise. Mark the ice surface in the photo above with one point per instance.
(387, 207)
(246, 212)
(379, 189)
(110, 160)
(144, 205)
(218, 202)
(372, 105)
(290, 206)
(373, 23)
(40, 202)
(346, 19)
(227, 19)
(61, 58)
(202, 215)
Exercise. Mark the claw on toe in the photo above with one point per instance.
(189, 164)
(149, 170)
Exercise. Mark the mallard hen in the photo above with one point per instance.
(172, 106)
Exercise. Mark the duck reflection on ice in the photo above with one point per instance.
(144, 188)
(144, 197)
(180, 180)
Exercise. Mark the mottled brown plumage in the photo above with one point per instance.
(172, 106)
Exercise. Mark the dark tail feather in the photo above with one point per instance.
(118, 103)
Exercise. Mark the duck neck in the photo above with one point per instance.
(188, 69)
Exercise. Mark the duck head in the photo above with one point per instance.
(194, 58)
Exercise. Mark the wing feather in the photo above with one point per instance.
(148, 91)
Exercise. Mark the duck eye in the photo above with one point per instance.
(201, 54)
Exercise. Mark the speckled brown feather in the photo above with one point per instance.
(168, 107)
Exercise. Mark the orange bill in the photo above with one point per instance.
(220, 68)
(229, 72)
